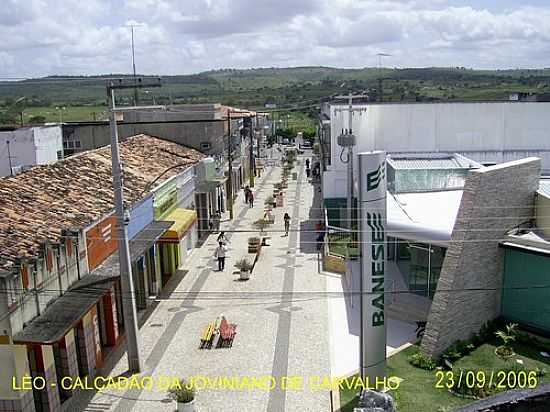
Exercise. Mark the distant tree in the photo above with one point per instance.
(37, 119)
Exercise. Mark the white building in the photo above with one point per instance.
(29, 146)
(487, 132)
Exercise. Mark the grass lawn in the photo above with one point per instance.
(338, 245)
(417, 391)
(70, 114)
(484, 358)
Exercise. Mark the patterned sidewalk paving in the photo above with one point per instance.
(281, 313)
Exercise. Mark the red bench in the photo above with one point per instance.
(228, 331)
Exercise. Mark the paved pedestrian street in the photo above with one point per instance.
(281, 313)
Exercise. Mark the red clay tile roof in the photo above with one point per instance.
(36, 205)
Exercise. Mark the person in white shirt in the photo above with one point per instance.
(220, 254)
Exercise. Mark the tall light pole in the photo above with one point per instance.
(380, 92)
(125, 264)
(136, 97)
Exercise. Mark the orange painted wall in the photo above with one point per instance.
(101, 241)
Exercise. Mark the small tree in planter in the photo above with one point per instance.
(244, 267)
(269, 201)
(184, 395)
(507, 337)
(261, 224)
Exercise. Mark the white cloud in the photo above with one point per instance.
(185, 36)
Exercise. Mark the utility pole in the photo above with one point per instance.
(125, 265)
(230, 166)
(247, 123)
(348, 140)
(9, 157)
(259, 131)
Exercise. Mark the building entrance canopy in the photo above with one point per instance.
(63, 315)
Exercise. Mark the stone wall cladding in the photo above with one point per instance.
(494, 201)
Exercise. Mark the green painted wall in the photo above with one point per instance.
(522, 301)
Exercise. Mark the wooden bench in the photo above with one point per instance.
(207, 335)
(228, 331)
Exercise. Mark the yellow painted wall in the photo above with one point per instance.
(13, 359)
(87, 319)
(542, 206)
(69, 338)
(47, 353)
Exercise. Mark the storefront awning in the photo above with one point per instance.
(183, 220)
(138, 246)
(209, 185)
(65, 312)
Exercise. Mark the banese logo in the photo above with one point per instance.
(374, 178)
(376, 224)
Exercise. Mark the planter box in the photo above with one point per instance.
(187, 407)
(253, 248)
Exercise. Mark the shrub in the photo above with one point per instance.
(243, 265)
(507, 337)
(422, 361)
(269, 200)
(261, 224)
(182, 392)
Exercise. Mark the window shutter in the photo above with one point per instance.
(25, 277)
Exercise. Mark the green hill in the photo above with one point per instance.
(300, 86)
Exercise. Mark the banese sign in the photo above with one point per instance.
(372, 230)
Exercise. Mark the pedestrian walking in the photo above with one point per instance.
(216, 219)
(320, 240)
(287, 223)
(222, 238)
(308, 172)
(307, 163)
(251, 199)
(220, 253)
(246, 194)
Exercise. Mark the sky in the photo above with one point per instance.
(84, 37)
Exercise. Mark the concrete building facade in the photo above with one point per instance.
(29, 146)
(495, 199)
(487, 132)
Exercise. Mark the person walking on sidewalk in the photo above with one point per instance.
(308, 171)
(247, 195)
(222, 238)
(220, 254)
(251, 198)
(216, 219)
(287, 223)
(307, 163)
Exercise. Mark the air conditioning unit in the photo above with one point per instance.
(15, 170)
(206, 146)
